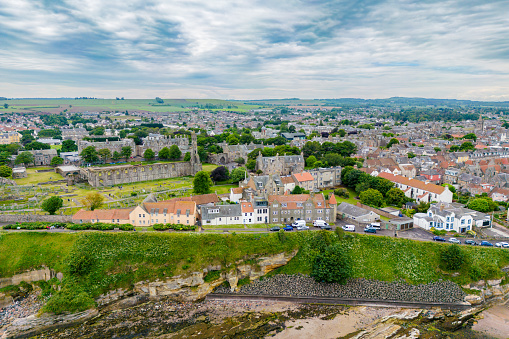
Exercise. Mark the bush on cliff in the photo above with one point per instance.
(332, 265)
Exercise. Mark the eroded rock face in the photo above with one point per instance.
(193, 287)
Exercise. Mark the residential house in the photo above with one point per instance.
(499, 194)
(419, 190)
(451, 217)
(113, 216)
(309, 207)
(326, 177)
(221, 215)
(164, 212)
(408, 170)
(305, 180)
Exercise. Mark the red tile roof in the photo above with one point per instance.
(304, 176)
(413, 183)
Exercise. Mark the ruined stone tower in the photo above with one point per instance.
(195, 159)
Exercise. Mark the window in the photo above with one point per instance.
(469, 221)
(319, 204)
(319, 211)
(275, 212)
(113, 220)
(274, 219)
(308, 211)
(447, 218)
(463, 221)
(284, 205)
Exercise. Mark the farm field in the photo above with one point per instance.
(113, 105)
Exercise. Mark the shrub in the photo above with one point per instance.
(342, 192)
(333, 265)
(452, 257)
(161, 227)
(211, 276)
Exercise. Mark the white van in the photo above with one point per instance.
(319, 223)
(298, 223)
(349, 228)
(375, 225)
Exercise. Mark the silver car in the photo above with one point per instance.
(454, 241)
(302, 228)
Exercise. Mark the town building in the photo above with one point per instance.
(280, 165)
(309, 207)
(356, 213)
(451, 217)
(419, 190)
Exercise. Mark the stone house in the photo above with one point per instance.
(309, 207)
(19, 172)
(281, 165)
(326, 177)
(305, 180)
(497, 194)
(43, 157)
(408, 170)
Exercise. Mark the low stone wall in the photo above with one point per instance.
(13, 218)
(42, 274)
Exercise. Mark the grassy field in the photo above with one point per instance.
(34, 178)
(130, 105)
(209, 167)
(95, 262)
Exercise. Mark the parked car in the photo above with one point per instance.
(454, 241)
(437, 238)
(302, 228)
(275, 229)
(369, 229)
(288, 228)
(375, 225)
(349, 228)
(486, 243)
(319, 223)
(498, 244)
(471, 242)
(326, 227)
(505, 245)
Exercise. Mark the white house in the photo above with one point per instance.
(221, 215)
(449, 217)
(419, 190)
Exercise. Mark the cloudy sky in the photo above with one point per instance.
(254, 49)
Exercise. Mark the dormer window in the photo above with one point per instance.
(319, 204)
(283, 204)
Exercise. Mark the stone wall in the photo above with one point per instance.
(31, 276)
(115, 175)
(13, 218)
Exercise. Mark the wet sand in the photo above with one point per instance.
(494, 322)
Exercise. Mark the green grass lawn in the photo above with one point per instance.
(209, 167)
(34, 178)
(350, 200)
(223, 189)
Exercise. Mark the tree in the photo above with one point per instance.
(175, 153)
(232, 140)
(410, 155)
(220, 174)
(332, 265)
(344, 173)
(24, 158)
(372, 198)
(69, 146)
(479, 204)
(116, 155)
(149, 154)
(382, 185)
(56, 161)
(104, 153)
(393, 141)
(453, 257)
(202, 183)
(5, 171)
(52, 204)
(395, 197)
(437, 149)
(6, 106)
(5, 157)
(99, 130)
(240, 161)
(454, 148)
(238, 174)
(251, 164)
(164, 153)
(187, 157)
(93, 200)
(89, 154)
(126, 152)
(466, 146)
(297, 190)
(470, 136)
(36, 145)
(310, 161)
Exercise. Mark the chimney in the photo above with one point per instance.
(441, 206)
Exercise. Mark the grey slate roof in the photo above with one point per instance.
(224, 211)
(352, 210)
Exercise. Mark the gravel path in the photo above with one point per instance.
(304, 286)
